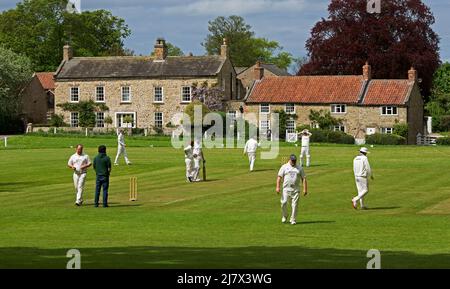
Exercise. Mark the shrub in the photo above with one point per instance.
(385, 139)
(445, 141)
(329, 136)
(401, 129)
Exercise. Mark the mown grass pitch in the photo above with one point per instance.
(231, 221)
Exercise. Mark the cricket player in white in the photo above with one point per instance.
(250, 149)
(306, 135)
(292, 174)
(79, 163)
(362, 170)
(198, 158)
(189, 160)
(121, 149)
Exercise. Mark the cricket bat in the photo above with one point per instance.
(204, 171)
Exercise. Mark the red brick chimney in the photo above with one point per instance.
(367, 71)
(160, 49)
(67, 52)
(258, 71)
(412, 74)
(224, 49)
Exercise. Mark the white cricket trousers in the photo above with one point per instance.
(78, 182)
(362, 184)
(251, 159)
(196, 169)
(121, 150)
(303, 153)
(294, 196)
(189, 168)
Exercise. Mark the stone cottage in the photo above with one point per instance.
(38, 98)
(150, 90)
(365, 105)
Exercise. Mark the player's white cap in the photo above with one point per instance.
(364, 150)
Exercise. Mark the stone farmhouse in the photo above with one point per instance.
(365, 105)
(150, 90)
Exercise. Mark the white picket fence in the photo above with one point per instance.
(291, 137)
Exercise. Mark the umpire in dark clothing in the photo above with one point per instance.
(102, 166)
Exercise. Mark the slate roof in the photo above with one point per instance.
(270, 67)
(139, 67)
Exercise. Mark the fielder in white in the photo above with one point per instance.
(292, 174)
(363, 172)
(189, 160)
(306, 135)
(79, 163)
(121, 149)
(250, 149)
(198, 159)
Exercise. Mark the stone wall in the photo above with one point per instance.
(142, 97)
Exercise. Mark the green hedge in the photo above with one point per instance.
(385, 139)
(329, 136)
(445, 141)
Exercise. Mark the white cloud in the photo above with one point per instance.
(240, 7)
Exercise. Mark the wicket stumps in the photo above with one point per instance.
(284, 160)
(133, 189)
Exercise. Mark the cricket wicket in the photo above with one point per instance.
(284, 160)
(133, 189)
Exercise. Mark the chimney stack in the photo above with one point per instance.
(224, 49)
(67, 52)
(160, 49)
(258, 71)
(412, 74)
(367, 71)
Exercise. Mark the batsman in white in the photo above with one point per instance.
(121, 148)
(189, 160)
(79, 163)
(306, 135)
(250, 149)
(363, 172)
(198, 159)
(291, 174)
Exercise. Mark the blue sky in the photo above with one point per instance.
(185, 22)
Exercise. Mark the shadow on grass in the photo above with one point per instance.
(382, 208)
(16, 186)
(216, 258)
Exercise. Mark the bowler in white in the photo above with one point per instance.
(79, 163)
(363, 172)
(121, 149)
(306, 136)
(291, 174)
(250, 149)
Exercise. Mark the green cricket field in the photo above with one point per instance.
(233, 220)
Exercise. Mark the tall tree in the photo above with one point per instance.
(15, 72)
(40, 28)
(392, 41)
(245, 47)
(439, 105)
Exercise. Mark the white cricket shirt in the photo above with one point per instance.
(292, 176)
(79, 160)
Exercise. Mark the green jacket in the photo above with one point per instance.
(102, 165)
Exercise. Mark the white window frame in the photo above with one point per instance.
(391, 108)
(97, 120)
(261, 126)
(338, 108)
(387, 130)
(72, 119)
(292, 130)
(97, 94)
(71, 94)
(286, 108)
(182, 94)
(232, 114)
(162, 119)
(340, 127)
(162, 94)
(264, 105)
(122, 93)
(117, 114)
